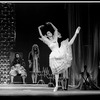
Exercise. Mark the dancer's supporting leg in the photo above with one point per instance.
(35, 77)
(56, 81)
(33, 81)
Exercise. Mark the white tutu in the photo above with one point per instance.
(60, 58)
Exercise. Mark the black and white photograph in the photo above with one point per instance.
(49, 48)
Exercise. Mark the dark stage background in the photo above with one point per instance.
(66, 17)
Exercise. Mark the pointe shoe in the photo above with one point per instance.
(24, 82)
(12, 82)
(62, 88)
(55, 89)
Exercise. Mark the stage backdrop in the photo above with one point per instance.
(66, 17)
(86, 47)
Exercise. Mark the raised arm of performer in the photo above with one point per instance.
(43, 37)
(74, 37)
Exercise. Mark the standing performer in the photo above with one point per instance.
(18, 65)
(61, 57)
(33, 62)
(65, 80)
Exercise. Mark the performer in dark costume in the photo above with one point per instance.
(65, 80)
(18, 65)
(33, 62)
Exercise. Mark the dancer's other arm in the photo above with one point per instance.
(76, 33)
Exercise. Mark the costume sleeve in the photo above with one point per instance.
(23, 63)
(30, 56)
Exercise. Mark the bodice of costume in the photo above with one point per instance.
(32, 57)
(18, 61)
(53, 46)
(55, 50)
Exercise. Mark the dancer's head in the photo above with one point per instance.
(49, 35)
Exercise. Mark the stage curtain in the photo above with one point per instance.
(86, 47)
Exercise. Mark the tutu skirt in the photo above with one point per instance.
(60, 59)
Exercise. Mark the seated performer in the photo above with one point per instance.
(18, 68)
(60, 58)
(33, 62)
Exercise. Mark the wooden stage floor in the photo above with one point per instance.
(40, 90)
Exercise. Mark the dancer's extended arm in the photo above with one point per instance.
(73, 38)
(43, 38)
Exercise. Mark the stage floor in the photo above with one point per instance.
(40, 90)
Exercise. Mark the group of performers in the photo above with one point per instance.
(18, 65)
(60, 58)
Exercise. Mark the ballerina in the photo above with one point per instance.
(60, 58)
